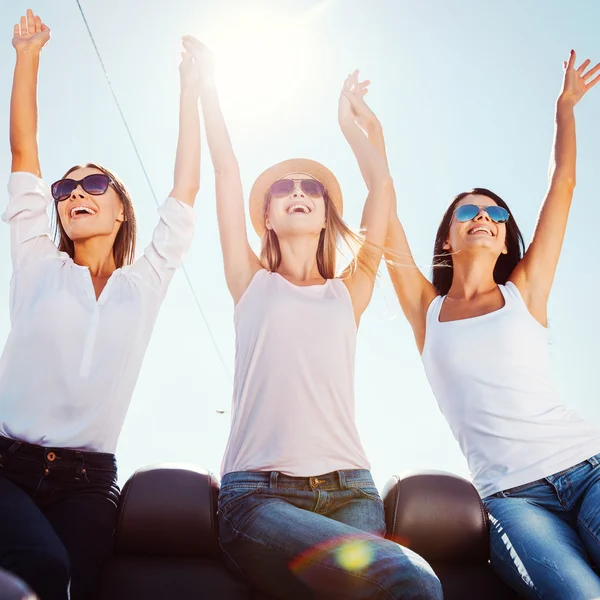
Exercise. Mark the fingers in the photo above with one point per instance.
(592, 83)
(38, 25)
(30, 21)
(17, 30)
(363, 87)
(193, 44)
(591, 72)
(572, 59)
(583, 66)
(23, 25)
(347, 84)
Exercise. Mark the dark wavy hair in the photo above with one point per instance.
(443, 270)
(124, 246)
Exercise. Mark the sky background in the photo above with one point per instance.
(465, 91)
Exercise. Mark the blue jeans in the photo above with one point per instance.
(58, 512)
(316, 537)
(545, 534)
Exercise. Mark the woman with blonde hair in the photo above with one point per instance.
(82, 315)
(297, 499)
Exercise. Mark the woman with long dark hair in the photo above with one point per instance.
(481, 327)
(82, 315)
(299, 513)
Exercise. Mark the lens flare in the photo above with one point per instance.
(354, 555)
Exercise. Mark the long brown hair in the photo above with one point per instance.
(335, 230)
(124, 246)
(443, 271)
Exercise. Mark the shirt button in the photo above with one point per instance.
(51, 456)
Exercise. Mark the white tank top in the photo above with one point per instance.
(491, 376)
(293, 397)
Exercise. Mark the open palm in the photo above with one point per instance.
(30, 33)
(577, 82)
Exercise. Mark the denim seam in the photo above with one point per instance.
(245, 486)
(369, 496)
(262, 543)
(484, 516)
(516, 571)
(231, 558)
(559, 496)
(233, 503)
(396, 503)
(582, 524)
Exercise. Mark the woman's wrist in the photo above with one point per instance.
(565, 103)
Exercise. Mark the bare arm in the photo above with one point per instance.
(376, 211)
(240, 261)
(187, 161)
(415, 292)
(535, 273)
(30, 36)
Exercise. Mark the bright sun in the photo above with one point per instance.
(263, 58)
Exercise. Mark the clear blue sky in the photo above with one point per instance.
(465, 90)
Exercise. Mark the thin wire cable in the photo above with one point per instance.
(141, 162)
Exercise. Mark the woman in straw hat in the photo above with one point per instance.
(299, 514)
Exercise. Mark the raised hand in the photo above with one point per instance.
(30, 34)
(577, 82)
(354, 92)
(203, 60)
(189, 74)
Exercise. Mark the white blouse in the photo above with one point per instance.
(70, 362)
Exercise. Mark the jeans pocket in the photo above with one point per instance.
(370, 492)
(231, 497)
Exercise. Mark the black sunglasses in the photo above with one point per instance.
(95, 184)
(468, 212)
(283, 187)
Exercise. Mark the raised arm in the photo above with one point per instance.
(239, 260)
(414, 290)
(376, 211)
(535, 273)
(187, 161)
(30, 36)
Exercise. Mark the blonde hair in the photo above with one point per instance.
(335, 230)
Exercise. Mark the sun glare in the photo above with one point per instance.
(264, 58)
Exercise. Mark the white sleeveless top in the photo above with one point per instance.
(293, 397)
(491, 376)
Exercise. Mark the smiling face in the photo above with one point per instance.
(83, 215)
(478, 234)
(297, 212)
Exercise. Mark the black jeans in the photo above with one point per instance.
(58, 513)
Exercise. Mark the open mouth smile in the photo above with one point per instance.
(80, 210)
(481, 229)
(298, 208)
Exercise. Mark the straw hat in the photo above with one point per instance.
(258, 193)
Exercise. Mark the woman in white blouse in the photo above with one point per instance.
(82, 315)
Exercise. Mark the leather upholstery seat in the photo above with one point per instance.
(166, 543)
(441, 517)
